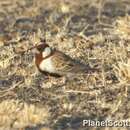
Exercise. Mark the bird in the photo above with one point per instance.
(56, 63)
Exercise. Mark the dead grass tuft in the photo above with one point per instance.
(123, 71)
(15, 114)
(122, 27)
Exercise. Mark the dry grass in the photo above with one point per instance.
(95, 32)
(15, 114)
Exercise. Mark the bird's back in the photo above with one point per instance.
(65, 64)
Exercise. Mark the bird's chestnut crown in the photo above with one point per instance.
(41, 47)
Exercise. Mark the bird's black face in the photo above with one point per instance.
(41, 47)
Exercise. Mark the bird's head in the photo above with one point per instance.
(42, 49)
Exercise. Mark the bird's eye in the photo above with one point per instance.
(40, 49)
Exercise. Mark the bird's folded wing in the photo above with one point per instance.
(66, 64)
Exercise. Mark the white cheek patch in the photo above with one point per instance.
(46, 65)
(46, 52)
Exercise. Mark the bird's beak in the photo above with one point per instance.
(35, 50)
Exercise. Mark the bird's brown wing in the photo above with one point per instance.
(65, 64)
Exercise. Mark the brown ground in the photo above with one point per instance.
(96, 32)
